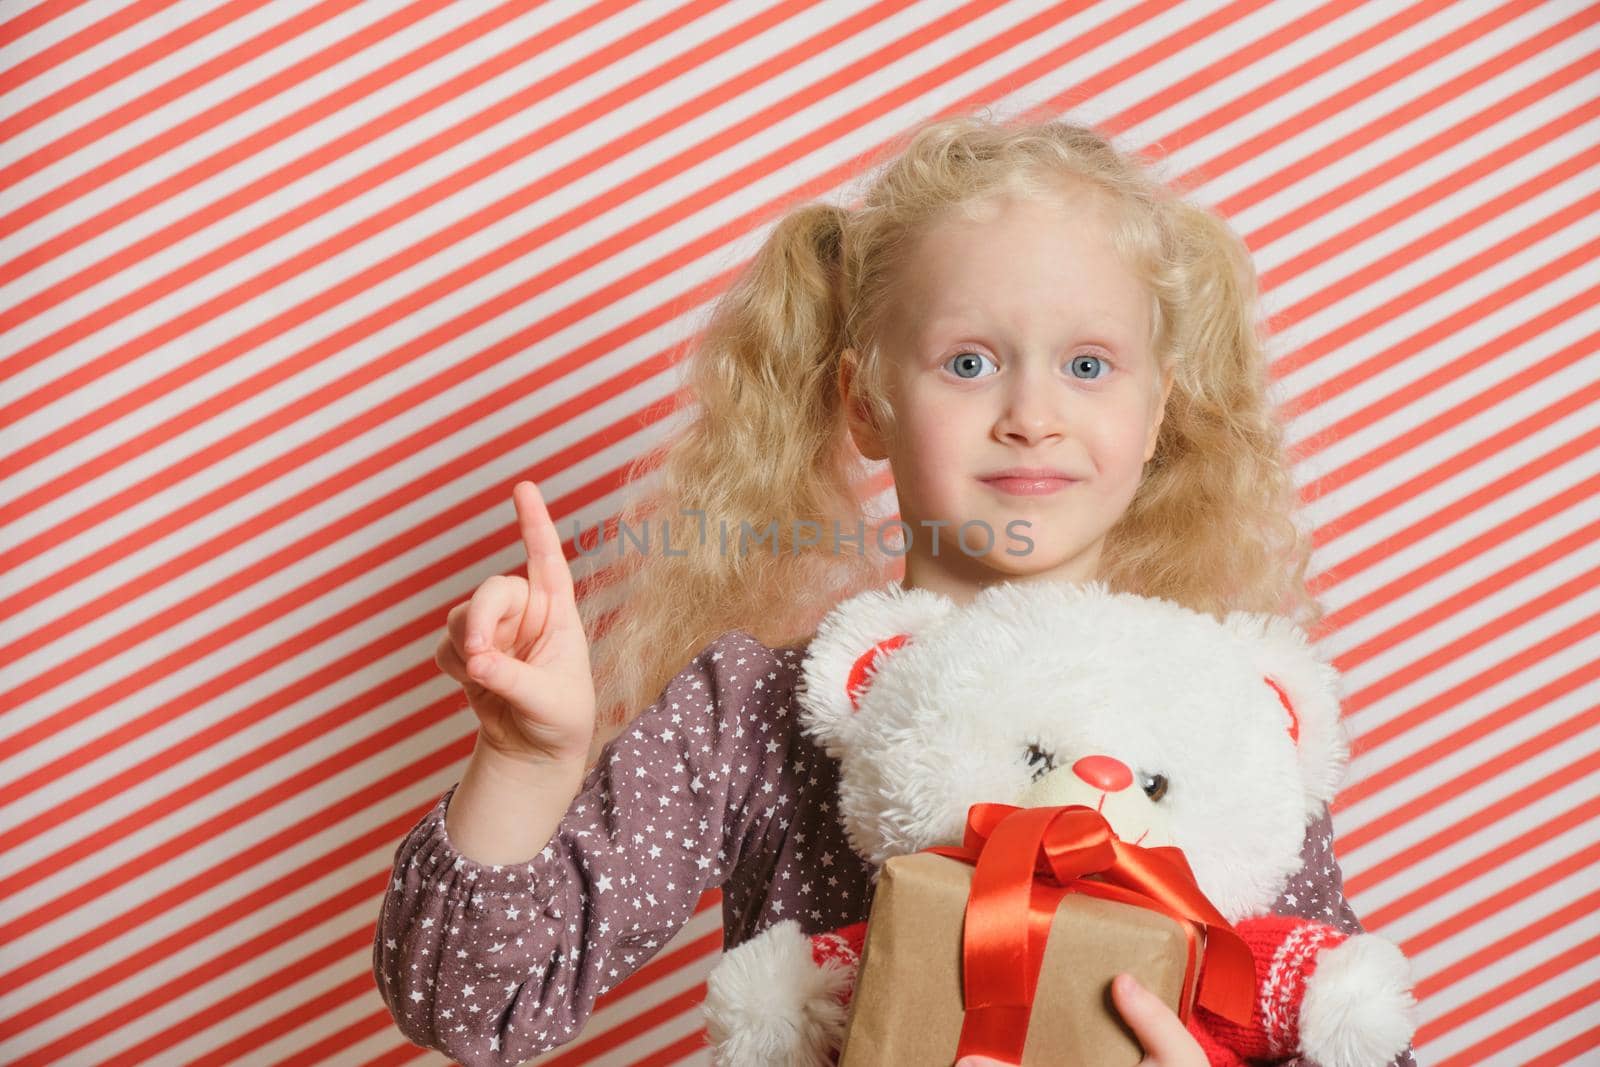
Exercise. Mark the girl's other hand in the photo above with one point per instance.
(1167, 1042)
(519, 651)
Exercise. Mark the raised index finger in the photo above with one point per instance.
(541, 543)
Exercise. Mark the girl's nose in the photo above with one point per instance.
(1030, 411)
(1030, 421)
(1104, 772)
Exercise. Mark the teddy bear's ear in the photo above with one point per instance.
(1308, 690)
(853, 643)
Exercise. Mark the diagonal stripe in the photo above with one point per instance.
(128, 751)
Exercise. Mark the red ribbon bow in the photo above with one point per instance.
(1026, 860)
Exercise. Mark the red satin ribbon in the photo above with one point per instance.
(1027, 860)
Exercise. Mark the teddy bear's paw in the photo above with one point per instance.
(768, 1003)
(1358, 1010)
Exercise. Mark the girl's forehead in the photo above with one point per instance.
(1019, 259)
(1008, 218)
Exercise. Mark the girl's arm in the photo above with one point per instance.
(505, 810)
(1317, 892)
(494, 964)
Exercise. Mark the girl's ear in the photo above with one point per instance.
(858, 420)
(1308, 691)
(854, 643)
(1163, 389)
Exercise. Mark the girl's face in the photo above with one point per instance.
(1018, 340)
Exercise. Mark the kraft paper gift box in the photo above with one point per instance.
(908, 1006)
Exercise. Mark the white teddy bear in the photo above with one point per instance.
(1223, 739)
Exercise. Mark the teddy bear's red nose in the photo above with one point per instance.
(1103, 772)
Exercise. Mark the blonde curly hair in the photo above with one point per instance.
(1211, 526)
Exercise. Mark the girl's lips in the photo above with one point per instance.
(1028, 486)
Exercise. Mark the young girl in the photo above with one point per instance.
(1058, 359)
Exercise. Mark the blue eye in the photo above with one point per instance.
(968, 359)
(1079, 359)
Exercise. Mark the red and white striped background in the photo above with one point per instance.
(292, 293)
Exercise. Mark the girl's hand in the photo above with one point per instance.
(529, 682)
(1167, 1042)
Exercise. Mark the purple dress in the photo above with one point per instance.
(711, 785)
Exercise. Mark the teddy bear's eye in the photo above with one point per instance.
(1043, 762)
(1155, 785)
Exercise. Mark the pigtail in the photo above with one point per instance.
(1213, 525)
(763, 457)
